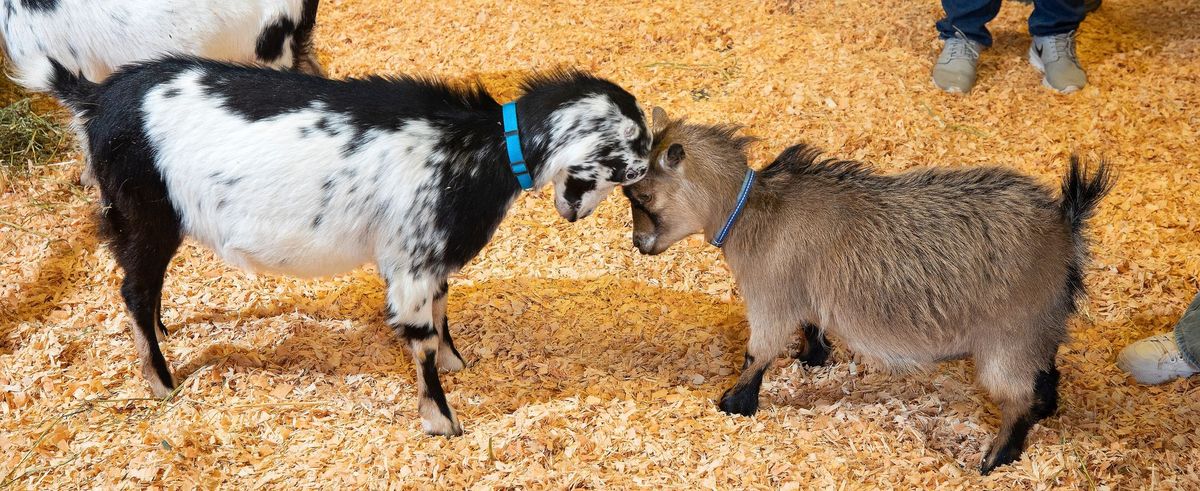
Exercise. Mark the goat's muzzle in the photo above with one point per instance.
(646, 244)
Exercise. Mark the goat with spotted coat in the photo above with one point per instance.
(289, 173)
(96, 37)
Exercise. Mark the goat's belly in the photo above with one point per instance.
(294, 253)
(901, 353)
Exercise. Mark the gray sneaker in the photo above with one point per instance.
(1055, 57)
(955, 68)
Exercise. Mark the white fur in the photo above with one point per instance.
(571, 148)
(95, 37)
(265, 221)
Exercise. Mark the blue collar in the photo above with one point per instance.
(512, 141)
(719, 239)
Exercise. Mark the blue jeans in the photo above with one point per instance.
(1049, 17)
(1187, 333)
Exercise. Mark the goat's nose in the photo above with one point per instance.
(644, 243)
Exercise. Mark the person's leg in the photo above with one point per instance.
(1165, 357)
(1187, 333)
(1052, 17)
(969, 19)
(964, 30)
(1052, 25)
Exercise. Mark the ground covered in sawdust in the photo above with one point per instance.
(592, 366)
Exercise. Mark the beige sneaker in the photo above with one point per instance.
(954, 71)
(1054, 56)
(1155, 360)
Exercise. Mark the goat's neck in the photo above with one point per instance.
(486, 156)
(721, 200)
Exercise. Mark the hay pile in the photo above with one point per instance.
(29, 135)
(592, 366)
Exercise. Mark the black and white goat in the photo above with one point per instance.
(295, 174)
(95, 37)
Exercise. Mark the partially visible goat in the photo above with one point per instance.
(96, 37)
(907, 269)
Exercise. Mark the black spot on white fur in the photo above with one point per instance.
(272, 39)
(39, 5)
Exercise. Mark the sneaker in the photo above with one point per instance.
(955, 68)
(1155, 360)
(1055, 57)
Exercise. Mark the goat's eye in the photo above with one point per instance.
(633, 174)
(630, 132)
(645, 199)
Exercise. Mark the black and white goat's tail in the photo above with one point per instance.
(76, 92)
(1082, 191)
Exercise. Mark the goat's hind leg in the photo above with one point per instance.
(1026, 394)
(816, 347)
(144, 249)
(411, 302)
(448, 358)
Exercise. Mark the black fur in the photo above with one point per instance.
(743, 399)
(40, 5)
(1045, 405)
(449, 339)
(816, 347)
(636, 203)
(548, 91)
(302, 36)
(271, 40)
(433, 385)
(417, 331)
(1081, 195)
(1010, 449)
(1045, 390)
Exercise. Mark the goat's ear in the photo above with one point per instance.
(672, 158)
(658, 118)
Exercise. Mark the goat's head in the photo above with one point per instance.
(689, 169)
(591, 136)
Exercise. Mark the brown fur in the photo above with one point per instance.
(908, 269)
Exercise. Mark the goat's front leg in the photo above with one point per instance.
(769, 337)
(448, 358)
(411, 302)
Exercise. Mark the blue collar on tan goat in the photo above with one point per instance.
(719, 239)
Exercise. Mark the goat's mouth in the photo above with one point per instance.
(647, 244)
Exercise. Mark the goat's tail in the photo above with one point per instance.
(48, 75)
(1081, 193)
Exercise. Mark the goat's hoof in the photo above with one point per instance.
(449, 361)
(441, 426)
(743, 403)
(162, 389)
(997, 458)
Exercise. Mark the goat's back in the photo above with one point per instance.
(922, 265)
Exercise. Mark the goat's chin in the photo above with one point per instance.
(653, 249)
